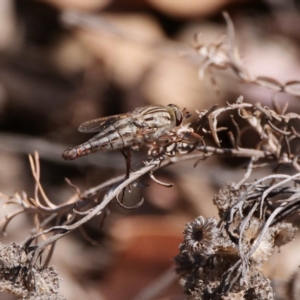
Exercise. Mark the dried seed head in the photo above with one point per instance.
(200, 236)
(203, 282)
(226, 197)
(187, 263)
(235, 296)
(224, 246)
(250, 235)
(260, 288)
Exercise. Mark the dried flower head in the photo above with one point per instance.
(250, 236)
(234, 296)
(187, 263)
(260, 287)
(19, 278)
(277, 235)
(203, 282)
(226, 197)
(200, 236)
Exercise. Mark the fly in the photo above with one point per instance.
(128, 131)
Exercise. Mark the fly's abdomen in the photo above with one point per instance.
(80, 150)
(116, 137)
(108, 141)
(87, 148)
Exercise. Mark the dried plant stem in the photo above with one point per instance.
(112, 193)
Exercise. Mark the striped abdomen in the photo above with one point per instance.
(111, 138)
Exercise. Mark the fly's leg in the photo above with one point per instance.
(127, 155)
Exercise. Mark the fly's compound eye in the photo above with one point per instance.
(177, 113)
(178, 117)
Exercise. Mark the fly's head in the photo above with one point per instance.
(177, 115)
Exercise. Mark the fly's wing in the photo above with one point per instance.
(100, 124)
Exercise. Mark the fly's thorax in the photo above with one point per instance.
(154, 116)
(155, 121)
(157, 133)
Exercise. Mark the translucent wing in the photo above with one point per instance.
(100, 124)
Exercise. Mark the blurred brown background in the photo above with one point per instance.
(63, 62)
